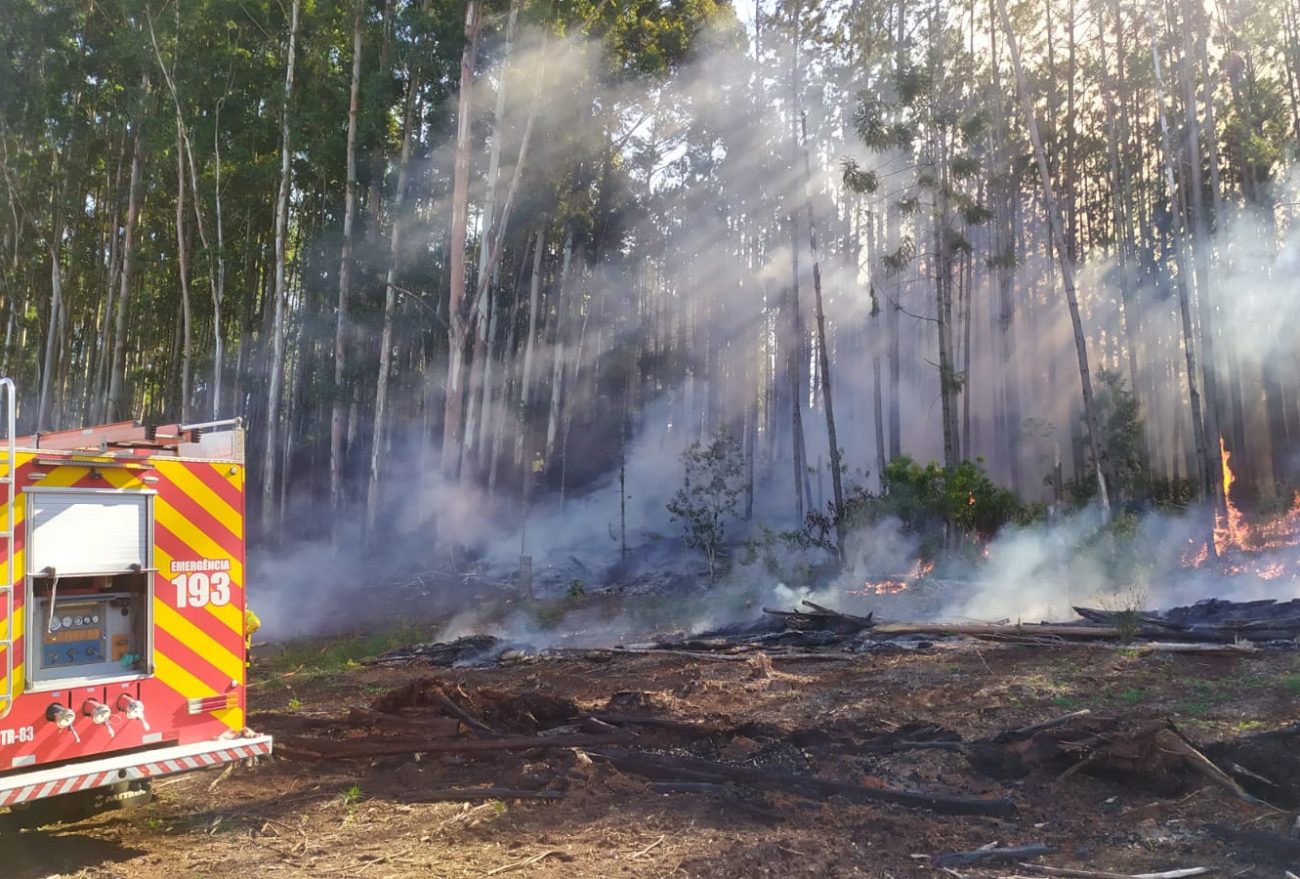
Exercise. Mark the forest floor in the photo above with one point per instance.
(288, 818)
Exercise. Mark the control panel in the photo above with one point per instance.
(88, 636)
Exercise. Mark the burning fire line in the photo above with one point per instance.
(890, 585)
(1233, 536)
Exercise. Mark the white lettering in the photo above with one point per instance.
(184, 566)
(197, 589)
(14, 736)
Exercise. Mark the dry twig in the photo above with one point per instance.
(521, 864)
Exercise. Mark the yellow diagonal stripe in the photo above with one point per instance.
(229, 615)
(122, 478)
(207, 548)
(235, 479)
(170, 620)
(175, 676)
(197, 490)
(231, 717)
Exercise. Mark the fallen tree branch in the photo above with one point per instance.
(525, 863)
(1257, 839)
(299, 747)
(1101, 874)
(725, 657)
(1025, 732)
(466, 795)
(688, 769)
(1079, 632)
(683, 726)
(437, 727)
(441, 699)
(984, 855)
(1171, 741)
(866, 621)
(1200, 649)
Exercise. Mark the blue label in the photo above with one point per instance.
(72, 653)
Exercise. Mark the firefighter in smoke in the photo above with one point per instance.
(251, 625)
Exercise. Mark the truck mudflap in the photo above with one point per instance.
(85, 775)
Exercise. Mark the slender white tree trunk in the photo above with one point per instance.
(183, 264)
(1067, 268)
(338, 412)
(280, 294)
(454, 405)
(390, 304)
(557, 353)
(52, 331)
(526, 373)
(116, 373)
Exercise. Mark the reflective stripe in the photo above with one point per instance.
(179, 758)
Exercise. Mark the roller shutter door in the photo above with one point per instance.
(90, 532)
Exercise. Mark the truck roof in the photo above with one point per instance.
(214, 440)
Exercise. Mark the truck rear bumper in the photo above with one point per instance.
(90, 774)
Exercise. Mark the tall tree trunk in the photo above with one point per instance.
(1204, 479)
(183, 264)
(558, 352)
(1121, 211)
(1067, 269)
(823, 349)
(219, 280)
(480, 390)
(52, 331)
(374, 486)
(796, 348)
(1200, 247)
(182, 243)
(456, 322)
(117, 375)
(276, 366)
(338, 410)
(526, 376)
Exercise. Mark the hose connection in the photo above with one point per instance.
(63, 718)
(99, 713)
(133, 709)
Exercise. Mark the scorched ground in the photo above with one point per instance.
(566, 812)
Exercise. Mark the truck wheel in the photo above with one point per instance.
(70, 808)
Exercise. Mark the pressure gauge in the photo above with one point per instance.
(95, 618)
(55, 625)
(67, 622)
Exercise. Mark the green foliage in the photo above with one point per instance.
(1121, 424)
(935, 503)
(577, 589)
(962, 498)
(712, 485)
(859, 179)
(1121, 440)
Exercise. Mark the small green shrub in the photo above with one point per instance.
(712, 485)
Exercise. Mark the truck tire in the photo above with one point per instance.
(70, 808)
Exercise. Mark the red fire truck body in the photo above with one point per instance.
(122, 645)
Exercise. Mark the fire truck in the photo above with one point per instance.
(122, 590)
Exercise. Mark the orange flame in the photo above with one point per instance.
(1233, 536)
(889, 585)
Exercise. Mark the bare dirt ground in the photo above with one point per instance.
(286, 818)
